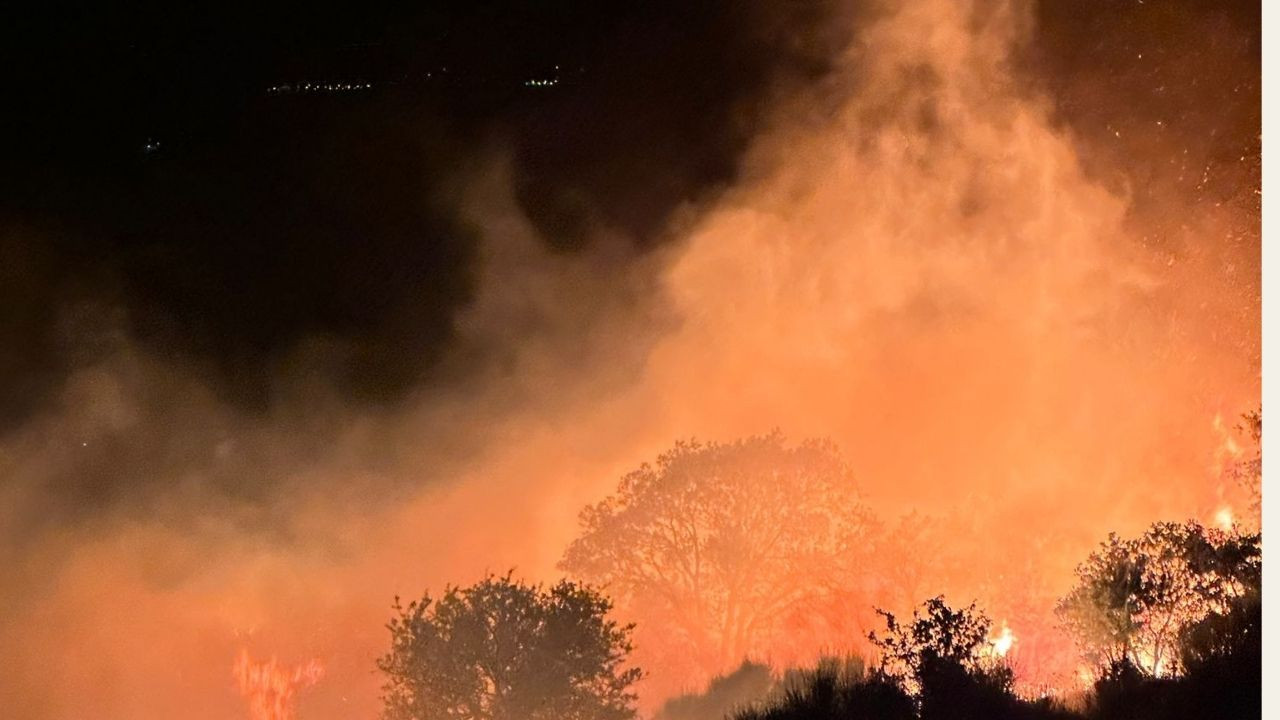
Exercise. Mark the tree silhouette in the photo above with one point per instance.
(938, 635)
(1134, 598)
(723, 542)
(505, 650)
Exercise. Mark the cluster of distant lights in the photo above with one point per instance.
(317, 88)
(543, 82)
(340, 87)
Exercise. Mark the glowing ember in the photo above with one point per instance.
(270, 688)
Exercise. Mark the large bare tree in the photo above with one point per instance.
(715, 546)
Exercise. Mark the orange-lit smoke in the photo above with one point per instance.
(914, 262)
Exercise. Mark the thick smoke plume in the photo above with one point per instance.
(919, 260)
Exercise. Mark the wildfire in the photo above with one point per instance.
(270, 688)
(1148, 659)
(1003, 643)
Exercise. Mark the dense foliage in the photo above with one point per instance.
(937, 634)
(1135, 599)
(505, 650)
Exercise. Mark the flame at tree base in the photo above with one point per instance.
(270, 688)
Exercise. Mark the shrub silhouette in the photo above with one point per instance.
(937, 637)
(750, 683)
(832, 692)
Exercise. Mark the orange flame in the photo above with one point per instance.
(270, 688)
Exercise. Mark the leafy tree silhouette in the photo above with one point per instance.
(1134, 599)
(936, 632)
(505, 650)
(944, 659)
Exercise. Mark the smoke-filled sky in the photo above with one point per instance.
(274, 349)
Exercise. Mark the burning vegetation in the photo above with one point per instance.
(270, 689)
(754, 551)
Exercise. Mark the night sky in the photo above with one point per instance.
(159, 171)
(147, 163)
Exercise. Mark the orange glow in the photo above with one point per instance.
(1002, 643)
(1224, 518)
(1147, 659)
(270, 688)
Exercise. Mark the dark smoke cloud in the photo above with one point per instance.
(260, 222)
